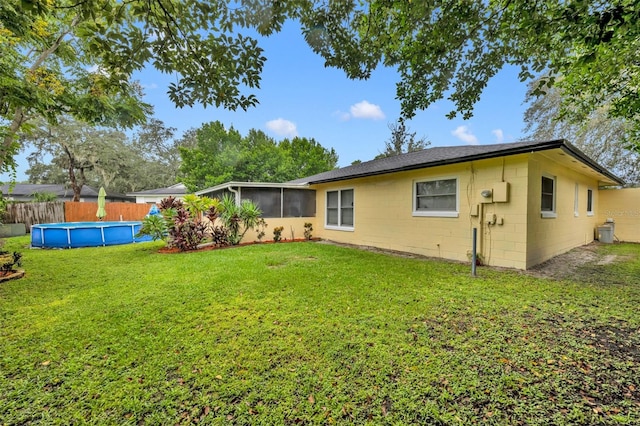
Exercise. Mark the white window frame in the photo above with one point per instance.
(590, 212)
(339, 227)
(443, 213)
(546, 214)
(576, 202)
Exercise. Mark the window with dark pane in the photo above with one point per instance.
(548, 190)
(267, 199)
(299, 203)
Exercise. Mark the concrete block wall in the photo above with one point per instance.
(623, 206)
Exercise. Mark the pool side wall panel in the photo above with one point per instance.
(85, 234)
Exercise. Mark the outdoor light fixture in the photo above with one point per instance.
(486, 193)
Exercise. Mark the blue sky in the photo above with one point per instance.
(300, 97)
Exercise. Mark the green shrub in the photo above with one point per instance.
(260, 228)
(181, 223)
(154, 226)
(277, 233)
(238, 219)
(308, 227)
(42, 197)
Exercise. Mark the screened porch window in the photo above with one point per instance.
(282, 202)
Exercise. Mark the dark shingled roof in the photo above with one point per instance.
(442, 155)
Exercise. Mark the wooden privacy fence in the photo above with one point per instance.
(67, 211)
(32, 213)
(86, 212)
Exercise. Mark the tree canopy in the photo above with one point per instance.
(76, 151)
(155, 157)
(599, 136)
(222, 155)
(77, 154)
(78, 58)
(451, 48)
(401, 141)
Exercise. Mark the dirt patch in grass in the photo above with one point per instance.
(605, 376)
(585, 263)
(583, 370)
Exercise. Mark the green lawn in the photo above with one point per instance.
(313, 333)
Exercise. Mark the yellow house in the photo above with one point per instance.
(528, 201)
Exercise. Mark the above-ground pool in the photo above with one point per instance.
(85, 234)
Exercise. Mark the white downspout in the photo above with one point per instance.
(236, 193)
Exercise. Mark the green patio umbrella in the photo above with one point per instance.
(101, 213)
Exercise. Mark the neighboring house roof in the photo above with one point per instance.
(177, 189)
(28, 189)
(438, 156)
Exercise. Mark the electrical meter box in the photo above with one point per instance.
(501, 192)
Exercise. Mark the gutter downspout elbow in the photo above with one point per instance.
(236, 194)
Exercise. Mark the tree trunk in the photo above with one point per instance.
(74, 183)
(77, 188)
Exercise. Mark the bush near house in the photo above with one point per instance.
(277, 233)
(181, 223)
(237, 219)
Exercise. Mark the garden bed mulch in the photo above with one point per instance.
(10, 275)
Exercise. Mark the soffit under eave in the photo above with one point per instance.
(572, 163)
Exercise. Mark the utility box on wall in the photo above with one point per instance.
(501, 192)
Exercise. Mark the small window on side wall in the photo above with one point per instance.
(436, 198)
(548, 197)
(589, 202)
(339, 210)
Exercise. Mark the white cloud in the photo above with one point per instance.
(366, 110)
(150, 86)
(499, 134)
(282, 127)
(464, 134)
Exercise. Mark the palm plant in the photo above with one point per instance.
(238, 218)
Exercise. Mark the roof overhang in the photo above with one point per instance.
(234, 185)
(607, 178)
